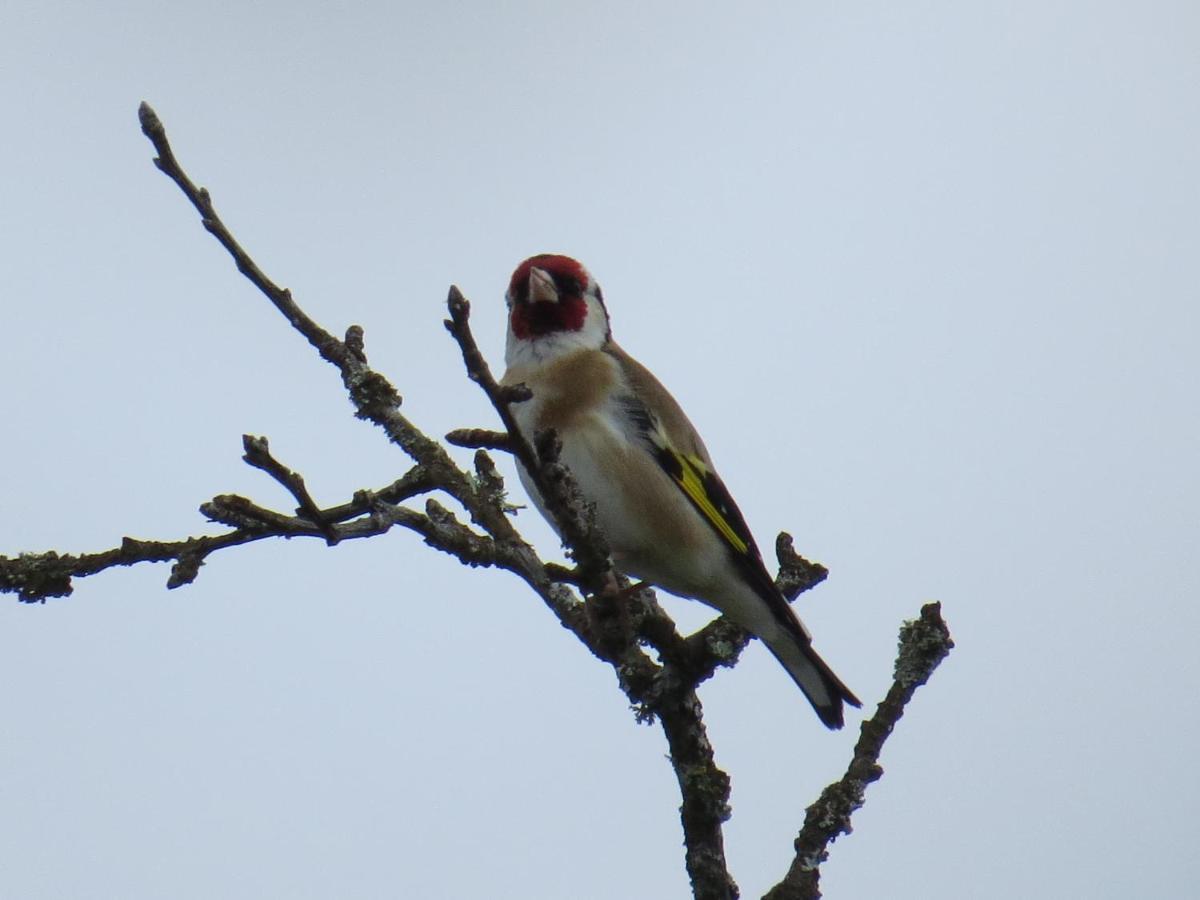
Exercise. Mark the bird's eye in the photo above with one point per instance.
(568, 285)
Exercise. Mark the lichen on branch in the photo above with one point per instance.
(658, 669)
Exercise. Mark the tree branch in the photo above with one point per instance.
(258, 454)
(373, 396)
(34, 577)
(924, 643)
(473, 438)
(614, 622)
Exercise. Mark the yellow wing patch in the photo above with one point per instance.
(695, 479)
(704, 490)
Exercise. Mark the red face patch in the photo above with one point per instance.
(537, 319)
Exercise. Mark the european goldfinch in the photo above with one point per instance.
(668, 518)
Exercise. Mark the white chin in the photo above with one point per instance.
(544, 348)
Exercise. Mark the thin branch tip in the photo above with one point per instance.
(476, 438)
(355, 343)
(514, 393)
(254, 446)
(149, 119)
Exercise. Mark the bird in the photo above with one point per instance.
(665, 513)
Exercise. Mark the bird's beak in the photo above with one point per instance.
(541, 287)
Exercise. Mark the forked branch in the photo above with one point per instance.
(615, 624)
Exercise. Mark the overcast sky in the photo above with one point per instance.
(923, 274)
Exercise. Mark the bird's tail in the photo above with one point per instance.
(824, 690)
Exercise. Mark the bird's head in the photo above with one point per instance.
(554, 306)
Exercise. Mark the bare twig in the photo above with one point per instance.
(35, 577)
(258, 454)
(473, 438)
(924, 643)
(329, 347)
(374, 398)
(613, 623)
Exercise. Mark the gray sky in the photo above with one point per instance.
(923, 274)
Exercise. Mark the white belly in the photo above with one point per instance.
(653, 531)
